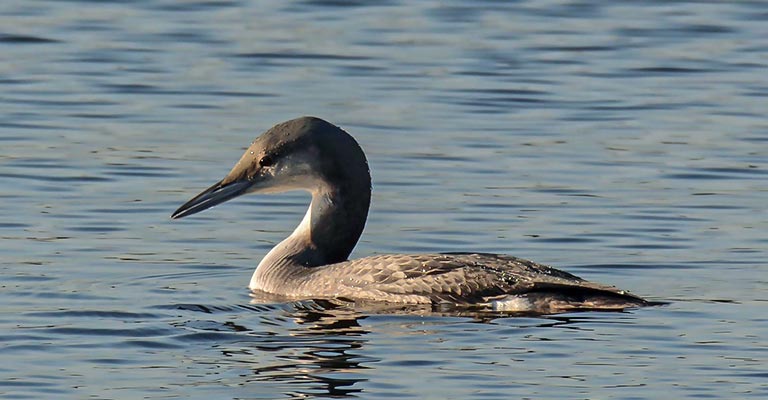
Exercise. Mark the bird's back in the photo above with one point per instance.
(493, 280)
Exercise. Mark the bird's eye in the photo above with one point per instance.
(266, 161)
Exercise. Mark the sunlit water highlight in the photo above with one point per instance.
(623, 142)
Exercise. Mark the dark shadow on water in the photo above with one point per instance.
(320, 348)
(320, 356)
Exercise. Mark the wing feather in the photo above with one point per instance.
(450, 277)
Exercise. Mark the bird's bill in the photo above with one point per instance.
(216, 194)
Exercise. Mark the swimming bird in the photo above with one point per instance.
(311, 154)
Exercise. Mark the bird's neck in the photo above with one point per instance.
(327, 235)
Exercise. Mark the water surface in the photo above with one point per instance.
(626, 143)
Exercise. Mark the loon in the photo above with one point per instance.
(311, 154)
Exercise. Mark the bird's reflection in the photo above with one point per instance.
(324, 312)
(320, 348)
(320, 354)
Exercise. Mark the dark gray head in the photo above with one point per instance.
(303, 153)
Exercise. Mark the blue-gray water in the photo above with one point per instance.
(624, 142)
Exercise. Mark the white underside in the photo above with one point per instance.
(513, 304)
(301, 231)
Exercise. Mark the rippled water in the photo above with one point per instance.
(624, 142)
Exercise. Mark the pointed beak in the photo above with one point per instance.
(216, 194)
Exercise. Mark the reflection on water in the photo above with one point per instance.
(319, 355)
(622, 142)
(328, 345)
(328, 350)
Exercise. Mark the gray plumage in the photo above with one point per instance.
(311, 154)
